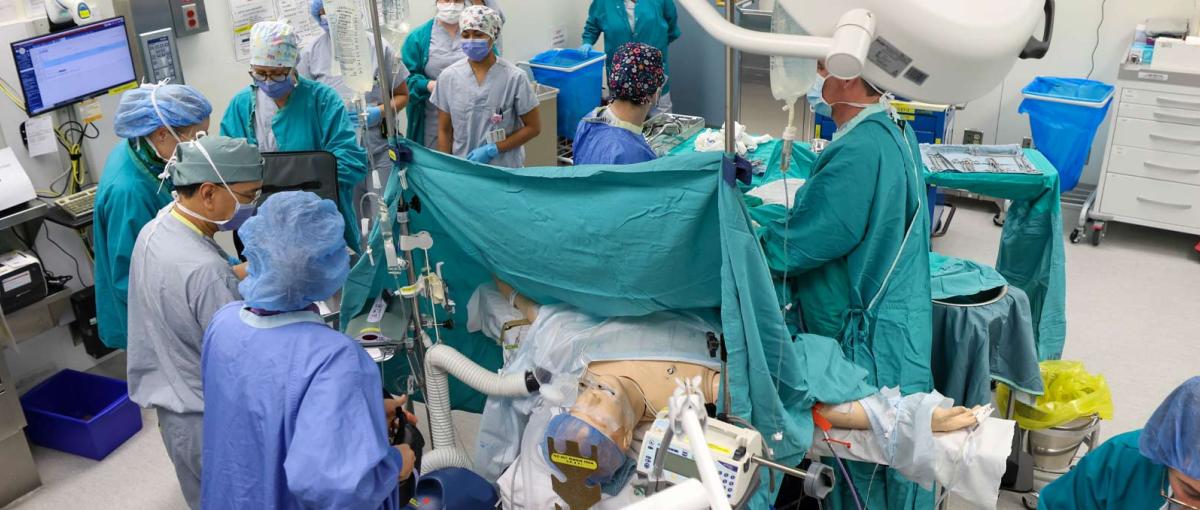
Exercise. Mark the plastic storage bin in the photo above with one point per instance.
(578, 78)
(1064, 114)
(84, 414)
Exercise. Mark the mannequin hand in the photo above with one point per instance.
(484, 154)
(585, 48)
(374, 115)
(952, 419)
(410, 458)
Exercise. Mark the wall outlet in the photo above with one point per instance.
(972, 137)
(1027, 142)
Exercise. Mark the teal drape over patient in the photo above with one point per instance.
(622, 240)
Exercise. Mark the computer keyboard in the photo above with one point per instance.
(79, 204)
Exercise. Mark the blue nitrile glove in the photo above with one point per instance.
(374, 115)
(585, 48)
(484, 154)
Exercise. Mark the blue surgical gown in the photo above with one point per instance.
(129, 196)
(313, 119)
(656, 22)
(293, 417)
(1114, 477)
(599, 143)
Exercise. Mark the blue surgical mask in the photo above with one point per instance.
(476, 49)
(276, 89)
(816, 98)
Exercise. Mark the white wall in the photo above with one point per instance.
(1070, 56)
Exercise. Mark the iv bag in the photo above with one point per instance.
(791, 77)
(394, 27)
(351, 51)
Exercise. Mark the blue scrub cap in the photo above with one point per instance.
(565, 427)
(314, 8)
(296, 252)
(1172, 436)
(178, 106)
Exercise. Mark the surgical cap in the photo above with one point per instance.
(481, 18)
(236, 159)
(636, 73)
(315, 7)
(274, 44)
(180, 105)
(608, 456)
(296, 251)
(1172, 436)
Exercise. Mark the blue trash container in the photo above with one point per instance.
(1064, 114)
(578, 78)
(84, 414)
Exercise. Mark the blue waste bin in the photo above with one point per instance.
(1064, 114)
(578, 77)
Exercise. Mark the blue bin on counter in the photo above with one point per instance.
(84, 414)
(578, 78)
(1064, 114)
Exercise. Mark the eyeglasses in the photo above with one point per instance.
(275, 77)
(1172, 503)
(252, 197)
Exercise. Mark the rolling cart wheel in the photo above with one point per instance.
(997, 220)
(1030, 501)
(1097, 232)
(1096, 237)
(1076, 235)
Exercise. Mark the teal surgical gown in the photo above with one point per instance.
(293, 417)
(313, 119)
(1114, 477)
(655, 23)
(129, 196)
(846, 232)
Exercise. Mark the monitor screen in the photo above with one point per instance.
(63, 68)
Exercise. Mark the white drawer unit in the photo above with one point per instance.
(1151, 170)
(1157, 136)
(1164, 166)
(1153, 200)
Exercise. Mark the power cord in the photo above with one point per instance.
(1092, 69)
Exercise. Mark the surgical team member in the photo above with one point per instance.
(856, 247)
(487, 108)
(282, 112)
(613, 134)
(316, 63)
(293, 417)
(652, 22)
(1157, 467)
(179, 278)
(152, 120)
(428, 51)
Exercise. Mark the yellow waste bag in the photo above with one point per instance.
(1071, 393)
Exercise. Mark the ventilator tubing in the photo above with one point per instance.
(440, 361)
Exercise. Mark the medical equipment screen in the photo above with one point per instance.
(681, 466)
(66, 67)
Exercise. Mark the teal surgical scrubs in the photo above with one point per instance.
(313, 119)
(128, 197)
(655, 23)
(1114, 477)
(856, 249)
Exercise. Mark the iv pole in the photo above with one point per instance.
(384, 75)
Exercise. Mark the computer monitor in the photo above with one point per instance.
(63, 68)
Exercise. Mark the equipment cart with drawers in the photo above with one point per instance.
(1151, 171)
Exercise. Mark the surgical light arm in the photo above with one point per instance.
(845, 53)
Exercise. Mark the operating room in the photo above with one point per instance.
(475, 254)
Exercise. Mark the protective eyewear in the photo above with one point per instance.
(275, 77)
(252, 197)
(1172, 503)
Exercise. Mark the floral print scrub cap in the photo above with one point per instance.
(481, 18)
(636, 73)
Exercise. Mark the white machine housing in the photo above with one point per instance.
(937, 51)
(731, 448)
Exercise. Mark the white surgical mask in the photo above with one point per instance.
(450, 12)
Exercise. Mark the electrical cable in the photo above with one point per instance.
(1092, 69)
(78, 272)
